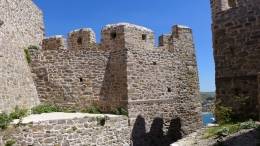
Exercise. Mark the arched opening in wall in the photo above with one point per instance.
(113, 35)
(154, 63)
(169, 89)
(232, 3)
(79, 40)
(143, 36)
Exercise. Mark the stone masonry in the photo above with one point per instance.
(236, 29)
(21, 25)
(87, 131)
(157, 85)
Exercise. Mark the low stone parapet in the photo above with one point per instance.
(83, 129)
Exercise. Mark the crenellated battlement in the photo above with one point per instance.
(113, 37)
(81, 38)
(57, 42)
(157, 86)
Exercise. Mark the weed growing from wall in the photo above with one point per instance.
(18, 113)
(26, 51)
(84, 111)
(244, 104)
(74, 128)
(222, 114)
(9, 143)
(5, 120)
(70, 111)
(94, 110)
(120, 111)
(102, 120)
(227, 129)
(27, 55)
(32, 47)
(45, 108)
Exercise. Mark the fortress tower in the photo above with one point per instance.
(236, 29)
(158, 86)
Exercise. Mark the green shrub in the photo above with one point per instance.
(18, 113)
(27, 55)
(226, 129)
(94, 110)
(74, 128)
(223, 132)
(124, 112)
(102, 120)
(222, 114)
(9, 143)
(32, 47)
(244, 103)
(116, 111)
(84, 111)
(45, 108)
(70, 111)
(4, 120)
(26, 51)
(120, 111)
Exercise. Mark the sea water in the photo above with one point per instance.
(206, 118)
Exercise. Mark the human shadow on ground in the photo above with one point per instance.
(156, 136)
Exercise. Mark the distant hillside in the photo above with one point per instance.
(205, 95)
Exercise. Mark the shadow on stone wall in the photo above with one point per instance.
(113, 92)
(105, 88)
(156, 136)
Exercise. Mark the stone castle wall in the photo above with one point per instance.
(70, 132)
(81, 38)
(157, 85)
(163, 90)
(21, 25)
(236, 52)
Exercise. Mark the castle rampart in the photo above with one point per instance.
(57, 42)
(81, 38)
(155, 84)
(236, 43)
(158, 86)
(21, 26)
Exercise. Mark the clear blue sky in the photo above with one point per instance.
(63, 16)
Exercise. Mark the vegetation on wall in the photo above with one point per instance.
(222, 114)
(120, 111)
(4, 120)
(244, 103)
(45, 108)
(9, 143)
(94, 110)
(227, 129)
(27, 55)
(26, 51)
(32, 47)
(18, 113)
